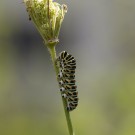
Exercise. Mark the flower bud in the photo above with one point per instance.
(48, 17)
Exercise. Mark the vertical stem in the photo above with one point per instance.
(48, 2)
(67, 114)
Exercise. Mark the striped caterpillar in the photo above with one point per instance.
(66, 77)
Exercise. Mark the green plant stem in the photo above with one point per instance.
(52, 51)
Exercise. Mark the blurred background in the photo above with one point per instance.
(100, 34)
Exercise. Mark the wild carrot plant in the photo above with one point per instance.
(48, 17)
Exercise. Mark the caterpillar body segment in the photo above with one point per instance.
(67, 65)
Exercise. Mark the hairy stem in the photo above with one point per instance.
(52, 51)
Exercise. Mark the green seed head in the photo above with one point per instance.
(47, 16)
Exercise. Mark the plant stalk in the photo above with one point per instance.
(52, 51)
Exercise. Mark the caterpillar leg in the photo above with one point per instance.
(71, 105)
(70, 108)
(64, 96)
(61, 82)
(62, 89)
(60, 75)
(67, 82)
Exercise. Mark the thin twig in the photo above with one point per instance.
(67, 114)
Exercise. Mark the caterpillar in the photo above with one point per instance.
(67, 65)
